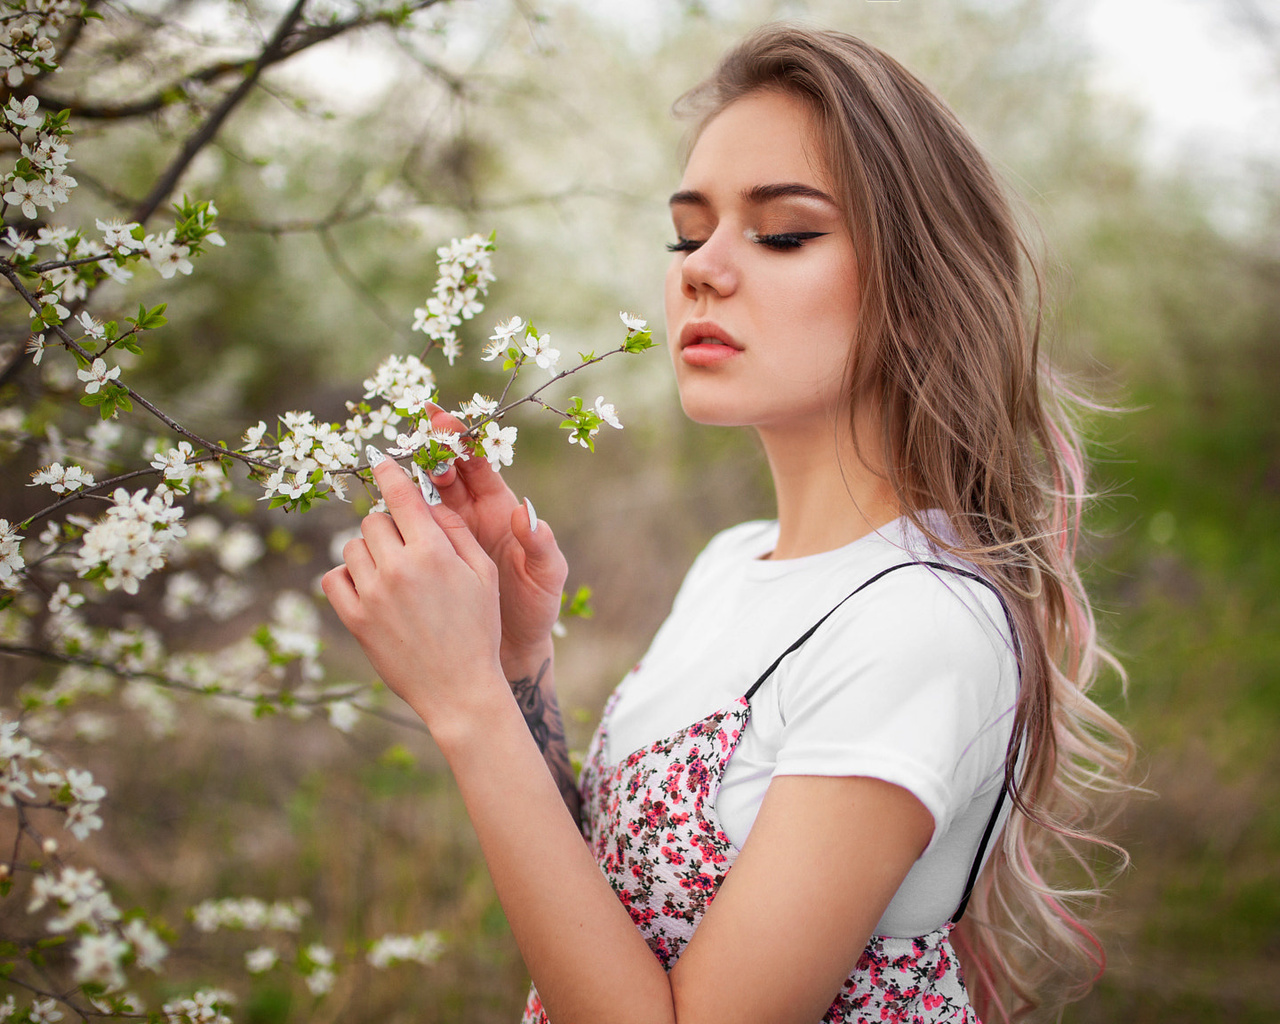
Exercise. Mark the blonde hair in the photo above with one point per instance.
(974, 422)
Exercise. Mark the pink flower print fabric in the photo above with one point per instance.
(650, 821)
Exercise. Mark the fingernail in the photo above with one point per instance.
(429, 493)
(373, 456)
(533, 516)
(441, 468)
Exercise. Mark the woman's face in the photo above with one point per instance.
(761, 294)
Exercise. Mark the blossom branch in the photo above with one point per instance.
(169, 683)
(7, 270)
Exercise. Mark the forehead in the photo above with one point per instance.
(762, 138)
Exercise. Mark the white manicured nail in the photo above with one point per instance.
(373, 456)
(533, 516)
(429, 493)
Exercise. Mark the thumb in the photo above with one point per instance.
(543, 560)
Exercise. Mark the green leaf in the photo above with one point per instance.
(639, 341)
(579, 605)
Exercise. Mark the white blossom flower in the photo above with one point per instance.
(240, 548)
(27, 113)
(606, 412)
(261, 959)
(62, 479)
(507, 330)
(63, 598)
(415, 399)
(204, 1007)
(91, 326)
(11, 560)
(176, 464)
(343, 715)
(26, 194)
(480, 405)
(394, 374)
(499, 444)
(166, 257)
(22, 245)
(45, 1011)
(540, 351)
(320, 977)
(98, 959)
(82, 785)
(82, 820)
(148, 948)
(253, 436)
(97, 375)
(103, 436)
(320, 981)
(632, 322)
(118, 235)
(132, 540)
(15, 782)
(394, 949)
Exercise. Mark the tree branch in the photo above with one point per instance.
(7, 270)
(271, 53)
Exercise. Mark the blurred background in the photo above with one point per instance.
(1142, 139)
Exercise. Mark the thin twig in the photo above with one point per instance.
(165, 682)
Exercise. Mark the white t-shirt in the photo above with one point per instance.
(912, 681)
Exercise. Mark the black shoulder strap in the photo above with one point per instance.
(976, 867)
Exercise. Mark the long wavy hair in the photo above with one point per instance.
(975, 423)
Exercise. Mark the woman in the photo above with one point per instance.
(856, 707)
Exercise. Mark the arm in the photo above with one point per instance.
(535, 694)
(822, 862)
(531, 575)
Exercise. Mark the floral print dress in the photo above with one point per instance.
(651, 823)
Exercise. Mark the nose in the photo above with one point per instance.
(712, 267)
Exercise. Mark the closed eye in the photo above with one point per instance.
(683, 245)
(787, 239)
(781, 242)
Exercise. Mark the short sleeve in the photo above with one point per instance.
(913, 682)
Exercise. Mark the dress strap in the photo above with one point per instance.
(976, 867)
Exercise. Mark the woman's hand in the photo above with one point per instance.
(531, 569)
(421, 596)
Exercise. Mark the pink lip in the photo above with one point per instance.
(698, 343)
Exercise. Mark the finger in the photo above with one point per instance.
(340, 589)
(441, 420)
(381, 535)
(404, 501)
(543, 560)
(455, 529)
(482, 480)
(359, 563)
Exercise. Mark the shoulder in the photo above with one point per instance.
(925, 633)
(746, 540)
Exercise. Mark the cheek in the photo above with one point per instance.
(673, 300)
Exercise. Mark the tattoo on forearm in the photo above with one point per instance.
(542, 715)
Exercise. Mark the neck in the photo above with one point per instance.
(827, 495)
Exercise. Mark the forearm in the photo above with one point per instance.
(531, 676)
(585, 955)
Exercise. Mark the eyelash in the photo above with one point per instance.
(781, 242)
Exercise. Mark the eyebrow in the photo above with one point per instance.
(756, 195)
